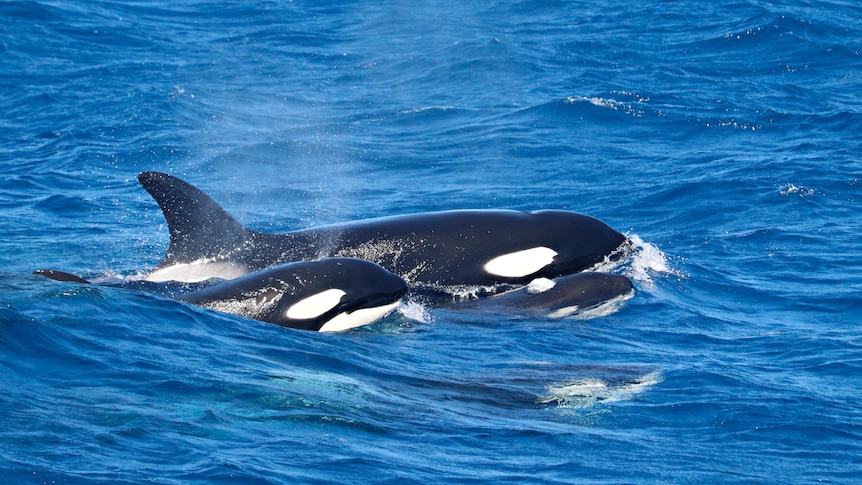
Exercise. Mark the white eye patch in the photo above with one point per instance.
(315, 305)
(520, 263)
(358, 318)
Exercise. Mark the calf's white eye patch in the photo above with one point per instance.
(520, 263)
(358, 318)
(315, 305)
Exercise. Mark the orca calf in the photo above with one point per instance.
(562, 297)
(432, 251)
(329, 295)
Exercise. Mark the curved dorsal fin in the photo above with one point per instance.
(199, 227)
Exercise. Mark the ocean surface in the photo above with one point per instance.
(723, 137)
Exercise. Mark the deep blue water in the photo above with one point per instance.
(724, 136)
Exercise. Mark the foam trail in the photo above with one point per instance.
(587, 393)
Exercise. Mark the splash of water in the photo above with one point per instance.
(648, 261)
(415, 311)
(799, 190)
(639, 260)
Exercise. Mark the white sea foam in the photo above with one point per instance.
(428, 108)
(467, 292)
(415, 311)
(793, 189)
(114, 277)
(647, 261)
(588, 392)
(639, 260)
(608, 103)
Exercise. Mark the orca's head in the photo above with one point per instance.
(337, 294)
(329, 295)
(562, 297)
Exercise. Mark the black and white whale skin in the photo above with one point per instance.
(431, 251)
(562, 297)
(329, 295)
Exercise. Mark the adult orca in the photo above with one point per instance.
(328, 295)
(562, 297)
(434, 251)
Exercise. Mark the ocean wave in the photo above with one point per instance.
(723, 136)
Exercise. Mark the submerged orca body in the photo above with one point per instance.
(562, 297)
(431, 251)
(331, 294)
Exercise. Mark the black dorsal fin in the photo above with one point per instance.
(199, 227)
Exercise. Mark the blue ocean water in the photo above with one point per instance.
(723, 137)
